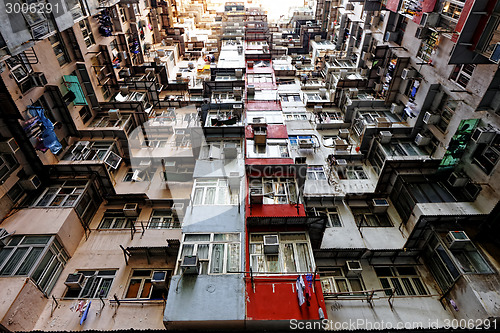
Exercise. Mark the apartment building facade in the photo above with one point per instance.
(190, 165)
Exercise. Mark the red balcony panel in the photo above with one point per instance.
(275, 298)
(263, 106)
(284, 210)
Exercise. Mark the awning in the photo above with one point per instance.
(170, 250)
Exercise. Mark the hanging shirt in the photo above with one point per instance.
(300, 290)
(308, 290)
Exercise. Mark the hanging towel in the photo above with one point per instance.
(308, 289)
(300, 290)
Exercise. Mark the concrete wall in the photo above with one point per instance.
(205, 298)
(63, 222)
(21, 303)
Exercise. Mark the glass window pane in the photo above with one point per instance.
(257, 263)
(133, 288)
(272, 263)
(408, 287)
(14, 261)
(217, 261)
(202, 251)
(233, 257)
(30, 261)
(36, 240)
(4, 253)
(196, 237)
(397, 286)
(210, 196)
(146, 289)
(288, 258)
(42, 265)
(419, 286)
(303, 259)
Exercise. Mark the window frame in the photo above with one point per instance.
(206, 264)
(43, 272)
(174, 222)
(403, 284)
(114, 216)
(281, 265)
(102, 277)
(143, 282)
(206, 185)
(333, 275)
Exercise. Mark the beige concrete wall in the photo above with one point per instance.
(21, 303)
(63, 222)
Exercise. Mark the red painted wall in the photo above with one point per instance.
(281, 302)
(273, 132)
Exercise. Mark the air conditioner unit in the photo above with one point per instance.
(322, 93)
(32, 183)
(349, 6)
(124, 90)
(364, 71)
(408, 73)
(230, 152)
(131, 209)
(190, 265)
(380, 205)
(378, 87)
(238, 72)
(343, 133)
(9, 146)
(380, 71)
(256, 195)
(431, 119)
(375, 20)
(114, 114)
(125, 72)
(136, 176)
(305, 143)
(214, 153)
(382, 122)
(75, 281)
(385, 137)
(271, 244)
(170, 166)
(250, 90)
(396, 108)
(456, 240)
(237, 91)
(391, 36)
(458, 179)
(318, 108)
(353, 268)
(160, 279)
(421, 32)
(483, 135)
(422, 140)
(430, 19)
(343, 74)
(353, 93)
(472, 190)
(178, 208)
(250, 64)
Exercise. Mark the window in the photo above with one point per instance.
(106, 92)
(276, 190)
(295, 116)
(213, 192)
(364, 217)
(141, 287)
(486, 155)
(163, 219)
(122, 15)
(115, 219)
(404, 280)
(315, 173)
(294, 139)
(217, 253)
(462, 74)
(259, 78)
(140, 175)
(452, 9)
(96, 284)
(88, 37)
(8, 163)
(355, 172)
(334, 280)
(293, 255)
(333, 216)
(16, 192)
(446, 110)
(40, 257)
(59, 49)
(72, 193)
